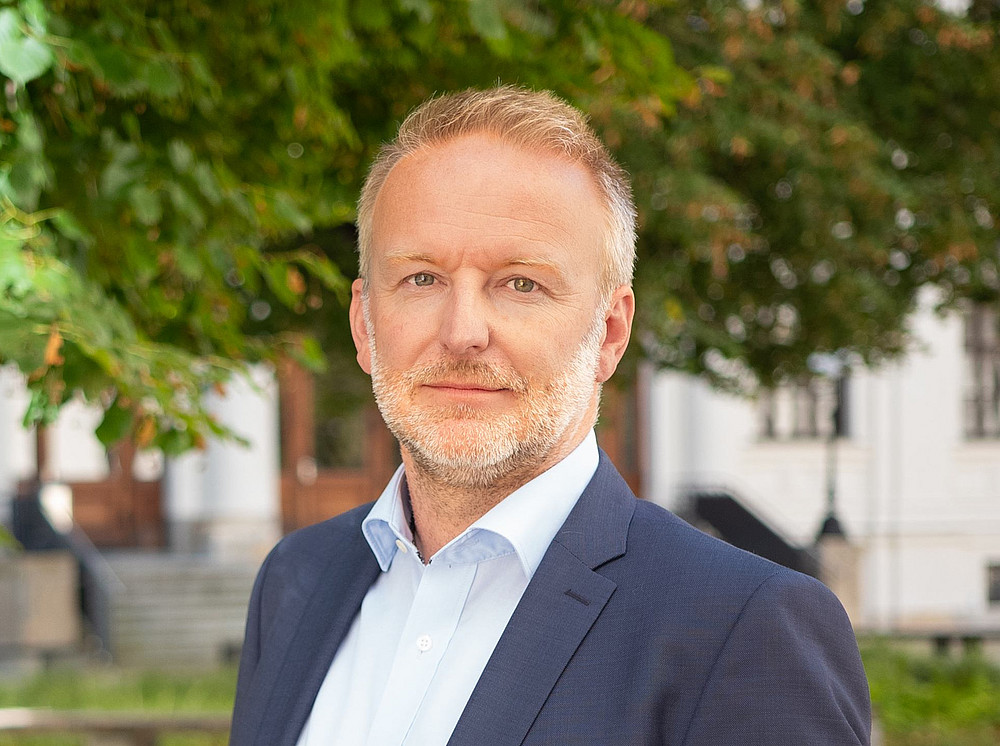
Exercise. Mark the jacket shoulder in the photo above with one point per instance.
(319, 538)
(658, 537)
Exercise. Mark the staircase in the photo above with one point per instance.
(177, 611)
(722, 514)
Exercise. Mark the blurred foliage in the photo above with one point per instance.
(175, 176)
(919, 700)
(835, 158)
(154, 155)
(933, 701)
(115, 689)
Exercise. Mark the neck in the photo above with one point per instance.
(443, 508)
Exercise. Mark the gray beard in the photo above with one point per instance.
(498, 448)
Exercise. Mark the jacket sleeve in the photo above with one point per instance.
(789, 673)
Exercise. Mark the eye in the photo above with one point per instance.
(523, 284)
(422, 279)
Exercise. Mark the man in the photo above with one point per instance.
(507, 588)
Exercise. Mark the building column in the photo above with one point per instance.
(225, 501)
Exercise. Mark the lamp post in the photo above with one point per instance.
(832, 366)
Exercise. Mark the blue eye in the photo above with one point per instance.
(523, 284)
(422, 279)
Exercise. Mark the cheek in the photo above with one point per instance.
(536, 358)
(402, 339)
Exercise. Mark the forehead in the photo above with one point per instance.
(477, 191)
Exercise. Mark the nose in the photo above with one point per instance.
(465, 326)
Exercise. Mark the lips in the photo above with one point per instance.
(472, 376)
(464, 386)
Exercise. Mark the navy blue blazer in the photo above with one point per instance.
(635, 629)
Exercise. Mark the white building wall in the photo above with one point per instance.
(223, 501)
(241, 483)
(17, 445)
(920, 501)
(74, 452)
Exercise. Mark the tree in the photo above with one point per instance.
(179, 178)
(157, 155)
(835, 159)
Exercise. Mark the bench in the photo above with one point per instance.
(111, 728)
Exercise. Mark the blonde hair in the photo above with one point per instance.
(535, 120)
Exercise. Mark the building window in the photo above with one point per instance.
(813, 408)
(993, 583)
(982, 355)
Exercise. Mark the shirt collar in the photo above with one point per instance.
(386, 522)
(528, 518)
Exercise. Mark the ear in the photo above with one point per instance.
(359, 330)
(617, 330)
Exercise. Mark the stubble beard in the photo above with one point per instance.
(466, 447)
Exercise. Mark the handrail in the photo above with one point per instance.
(99, 581)
(752, 502)
(34, 529)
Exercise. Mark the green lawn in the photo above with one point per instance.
(921, 700)
(925, 700)
(111, 689)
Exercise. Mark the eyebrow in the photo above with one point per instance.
(402, 257)
(399, 257)
(534, 264)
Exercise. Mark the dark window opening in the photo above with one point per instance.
(982, 355)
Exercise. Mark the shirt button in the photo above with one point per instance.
(424, 643)
(401, 545)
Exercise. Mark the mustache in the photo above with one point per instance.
(466, 372)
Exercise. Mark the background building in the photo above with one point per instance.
(917, 471)
(914, 468)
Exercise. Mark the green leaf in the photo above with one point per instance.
(124, 168)
(324, 270)
(26, 180)
(180, 155)
(29, 134)
(162, 78)
(207, 184)
(486, 20)
(22, 58)
(69, 227)
(115, 425)
(118, 69)
(423, 9)
(312, 355)
(716, 74)
(371, 15)
(288, 212)
(186, 205)
(175, 442)
(35, 14)
(276, 275)
(15, 278)
(41, 410)
(145, 204)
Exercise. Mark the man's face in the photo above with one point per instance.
(485, 328)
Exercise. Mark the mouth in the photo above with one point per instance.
(472, 388)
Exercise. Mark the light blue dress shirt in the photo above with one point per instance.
(424, 634)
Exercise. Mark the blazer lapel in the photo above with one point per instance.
(558, 608)
(295, 671)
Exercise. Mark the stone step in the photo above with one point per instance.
(179, 611)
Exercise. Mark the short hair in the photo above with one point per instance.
(535, 120)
